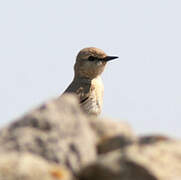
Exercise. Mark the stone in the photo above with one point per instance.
(26, 166)
(113, 143)
(105, 128)
(111, 134)
(57, 131)
(159, 160)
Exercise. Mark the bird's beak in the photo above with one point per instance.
(109, 58)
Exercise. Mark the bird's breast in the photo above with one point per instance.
(93, 105)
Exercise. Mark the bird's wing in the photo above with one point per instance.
(82, 90)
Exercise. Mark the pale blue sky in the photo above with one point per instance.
(39, 40)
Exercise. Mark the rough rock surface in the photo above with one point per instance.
(113, 143)
(111, 134)
(27, 166)
(58, 141)
(105, 128)
(150, 161)
(57, 131)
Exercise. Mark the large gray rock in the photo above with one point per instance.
(107, 128)
(111, 134)
(57, 131)
(26, 166)
(156, 160)
(113, 143)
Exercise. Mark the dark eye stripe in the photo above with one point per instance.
(91, 58)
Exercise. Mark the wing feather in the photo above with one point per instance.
(82, 90)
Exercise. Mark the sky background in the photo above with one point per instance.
(39, 40)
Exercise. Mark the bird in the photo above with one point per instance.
(87, 82)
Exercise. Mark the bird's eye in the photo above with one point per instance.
(91, 58)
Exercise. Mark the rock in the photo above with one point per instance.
(150, 161)
(26, 166)
(57, 141)
(111, 134)
(150, 139)
(57, 131)
(122, 141)
(106, 128)
(113, 143)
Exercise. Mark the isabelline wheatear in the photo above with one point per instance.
(87, 83)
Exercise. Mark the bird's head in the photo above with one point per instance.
(91, 62)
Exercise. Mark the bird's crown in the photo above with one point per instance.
(91, 52)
